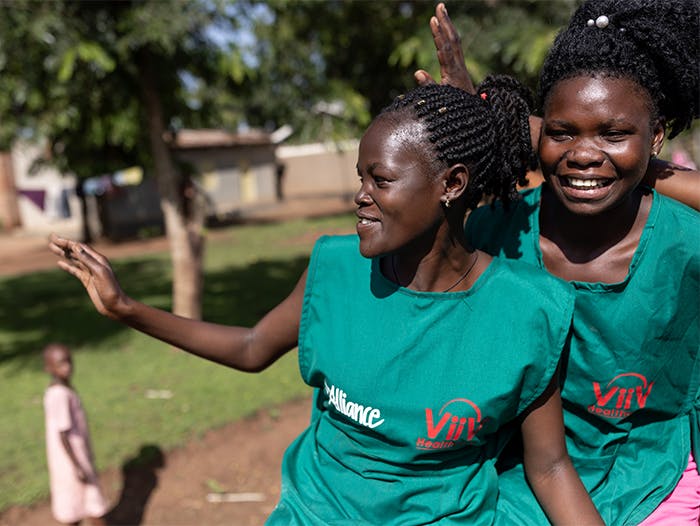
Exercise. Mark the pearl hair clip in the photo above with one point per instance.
(601, 22)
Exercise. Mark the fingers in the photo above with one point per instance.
(448, 45)
(423, 78)
(65, 248)
(75, 251)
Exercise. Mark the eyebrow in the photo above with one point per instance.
(608, 122)
(370, 169)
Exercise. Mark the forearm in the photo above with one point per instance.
(226, 345)
(675, 181)
(71, 454)
(561, 494)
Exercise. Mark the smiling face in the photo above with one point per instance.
(596, 141)
(399, 199)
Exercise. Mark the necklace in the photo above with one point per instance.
(448, 289)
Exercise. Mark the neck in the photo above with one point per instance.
(447, 264)
(587, 235)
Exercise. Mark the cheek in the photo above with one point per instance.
(549, 155)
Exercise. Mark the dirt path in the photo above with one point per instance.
(240, 461)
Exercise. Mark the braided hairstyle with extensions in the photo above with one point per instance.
(652, 42)
(488, 132)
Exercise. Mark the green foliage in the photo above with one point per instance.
(248, 271)
(498, 36)
(70, 70)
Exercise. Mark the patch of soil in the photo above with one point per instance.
(238, 462)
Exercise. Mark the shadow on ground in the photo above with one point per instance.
(140, 479)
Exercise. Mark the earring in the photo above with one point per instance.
(447, 202)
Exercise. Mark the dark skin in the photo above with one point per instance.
(596, 133)
(672, 180)
(428, 251)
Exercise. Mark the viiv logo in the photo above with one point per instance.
(622, 395)
(457, 419)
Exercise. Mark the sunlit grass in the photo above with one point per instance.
(248, 270)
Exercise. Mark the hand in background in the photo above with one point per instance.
(448, 45)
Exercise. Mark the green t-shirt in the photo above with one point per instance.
(631, 386)
(410, 406)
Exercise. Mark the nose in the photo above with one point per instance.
(584, 153)
(362, 197)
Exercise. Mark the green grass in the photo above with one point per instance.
(249, 269)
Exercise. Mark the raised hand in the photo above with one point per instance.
(94, 272)
(448, 45)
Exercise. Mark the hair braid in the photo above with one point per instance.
(490, 137)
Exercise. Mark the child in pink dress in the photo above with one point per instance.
(75, 492)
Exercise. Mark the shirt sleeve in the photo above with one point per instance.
(58, 409)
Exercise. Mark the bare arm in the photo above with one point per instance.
(675, 181)
(448, 45)
(79, 471)
(548, 467)
(245, 349)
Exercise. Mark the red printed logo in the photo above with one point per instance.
(458, 419)
(621, 396)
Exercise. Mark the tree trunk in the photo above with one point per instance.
(9, 210)
(184, 227)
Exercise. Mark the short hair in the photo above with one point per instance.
(488, 132)
(652, 42)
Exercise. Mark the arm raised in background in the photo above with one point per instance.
(548, 468)
(245, 349)
(672, 180)
(448, 44)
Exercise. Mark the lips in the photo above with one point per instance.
(365, 222)
(579, 183)
(585, 188)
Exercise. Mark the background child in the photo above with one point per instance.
(75, 493)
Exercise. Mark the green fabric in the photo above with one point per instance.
(433, 396)
(630, 390)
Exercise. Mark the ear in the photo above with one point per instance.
(658, 131)
(455, 180)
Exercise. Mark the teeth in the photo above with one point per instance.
(585, 183)
(365, 221)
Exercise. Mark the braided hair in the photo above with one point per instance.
(652, 42)
(489, 132)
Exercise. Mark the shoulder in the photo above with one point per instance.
(670, 207)
(677, 225)
(344, 242)
(333, 247)
(488, 223)
(535, 292)
(57, 394)
(526, 279)
(341, 253)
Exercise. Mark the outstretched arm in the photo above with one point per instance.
(245, 349)
(548, 467)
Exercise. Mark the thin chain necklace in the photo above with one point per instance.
(448, 289)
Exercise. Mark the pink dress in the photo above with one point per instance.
(71, 499)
